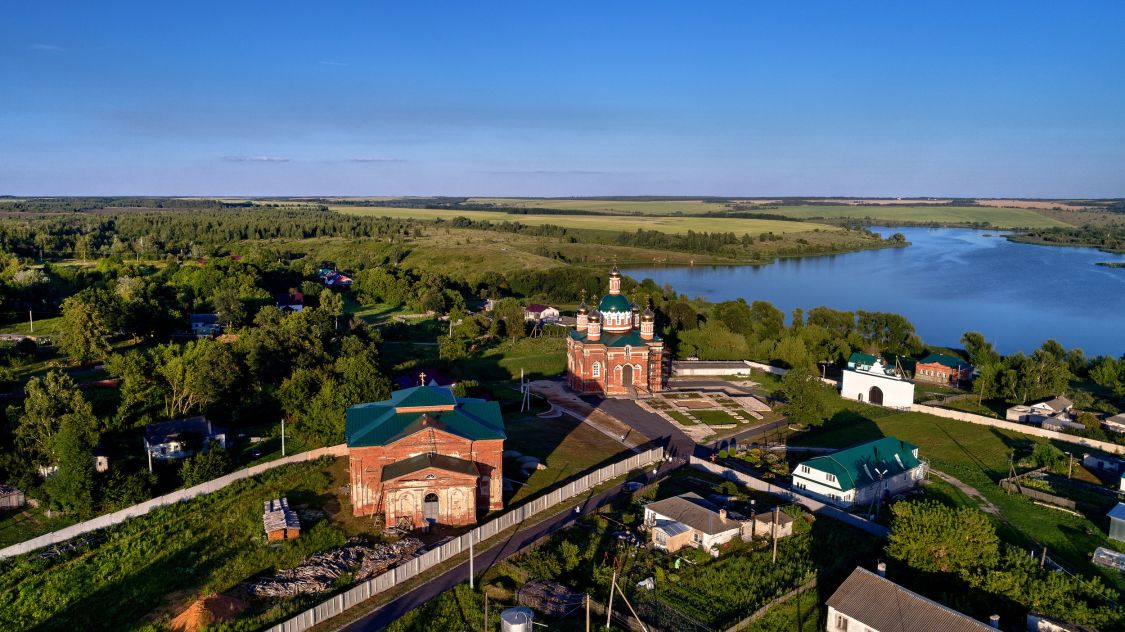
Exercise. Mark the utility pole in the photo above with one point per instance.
(149, 453)
(1069, 464)
(31, 319)
(609, 608)
(1043, 558)
(587, 612)
(283, 436)
(773, 534)
(485, 612)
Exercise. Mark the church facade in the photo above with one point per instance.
(425, 457)
(614, 350)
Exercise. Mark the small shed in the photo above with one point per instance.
(280, 521)
(1117, 523)
(11, 497)
(762, 525)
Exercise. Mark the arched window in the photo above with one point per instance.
(596, 370)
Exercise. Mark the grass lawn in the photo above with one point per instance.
(24, 524)
(538, 357)
(680, 417)
(149, 567)
(568, 448)
(43, 327)
(978, 456)
(715, 417)
(988, 409)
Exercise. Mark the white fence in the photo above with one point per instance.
(1111, 448)
(381, 583)
(141, 509)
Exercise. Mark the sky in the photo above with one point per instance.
(533, 98)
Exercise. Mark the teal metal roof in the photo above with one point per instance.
(856, 466)
(631, 338)
(378, 423)
(420, 462)
(861, 358)
(944, 360)
(615, 303)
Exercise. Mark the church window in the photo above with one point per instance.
(596, 370)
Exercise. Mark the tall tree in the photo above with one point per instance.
(931, 537)
(83, 332)
(71, 488)
(806, 397)
(332, 303)
(49, 399)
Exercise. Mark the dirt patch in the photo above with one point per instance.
(205, 612)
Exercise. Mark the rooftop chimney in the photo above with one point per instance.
(882, 569)
(994, 621)
(723, 515)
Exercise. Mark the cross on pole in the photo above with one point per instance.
(422, 378)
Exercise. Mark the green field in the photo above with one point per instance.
(567, 449)
(613, 223)
(649, 207)
(996, 217)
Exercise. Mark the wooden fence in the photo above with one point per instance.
(382, 583)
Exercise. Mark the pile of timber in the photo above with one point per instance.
(549, 598)
(319, 572)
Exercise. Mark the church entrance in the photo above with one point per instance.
(875, 396)
(627, 375)
(430, 509)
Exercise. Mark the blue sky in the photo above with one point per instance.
(563, 98)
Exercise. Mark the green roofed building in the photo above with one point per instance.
(614, 350)
(858, 475)
(942, 369)
(425, 457)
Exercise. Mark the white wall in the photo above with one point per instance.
(1111, 448)
(857, 385)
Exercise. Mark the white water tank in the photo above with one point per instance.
(516, 619)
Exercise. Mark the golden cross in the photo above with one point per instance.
(422, 378)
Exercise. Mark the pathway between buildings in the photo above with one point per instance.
(972, 492)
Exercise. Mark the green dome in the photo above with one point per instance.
(615, 303)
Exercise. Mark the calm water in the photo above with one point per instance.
(950, 280)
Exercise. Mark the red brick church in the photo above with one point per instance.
(614, 350)
(425, 457)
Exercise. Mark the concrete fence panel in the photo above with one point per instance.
(1111, 448)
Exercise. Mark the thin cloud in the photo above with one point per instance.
(374, 159)
(549, 172)
(47, 48)
(255, 159)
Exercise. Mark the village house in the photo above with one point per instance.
(205, 325)
(869, 602)
(856, 476)
(280, 522)
(425, 457)
(290, 302)
(1102, 463)
(1116, 423)
(614, 350)
(541, 313)
(941, 369)
(689, 520)
(181, 438)
(1059, 408)
(869, 379)
(763, 525)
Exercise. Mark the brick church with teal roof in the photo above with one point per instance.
(614, 350)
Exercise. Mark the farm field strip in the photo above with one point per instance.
(618, 223)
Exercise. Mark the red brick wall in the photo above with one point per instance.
(366, 464)
(581, 359)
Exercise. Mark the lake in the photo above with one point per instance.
(947, 282)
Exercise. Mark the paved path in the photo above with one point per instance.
(385, 615)
(972, 492)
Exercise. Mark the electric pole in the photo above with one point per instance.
(283, 436)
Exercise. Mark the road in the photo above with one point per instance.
(382, 617)
(676, 444)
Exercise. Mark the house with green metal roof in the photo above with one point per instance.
(856, 476)
(425, 457)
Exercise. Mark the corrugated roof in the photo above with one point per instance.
(692, 510)
(671, 527)
(276, 515)
(378, 423)
(1118, 512)
(164, 431)
(944, 360)
(883, 605)
(422, 461)
(856, 466)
